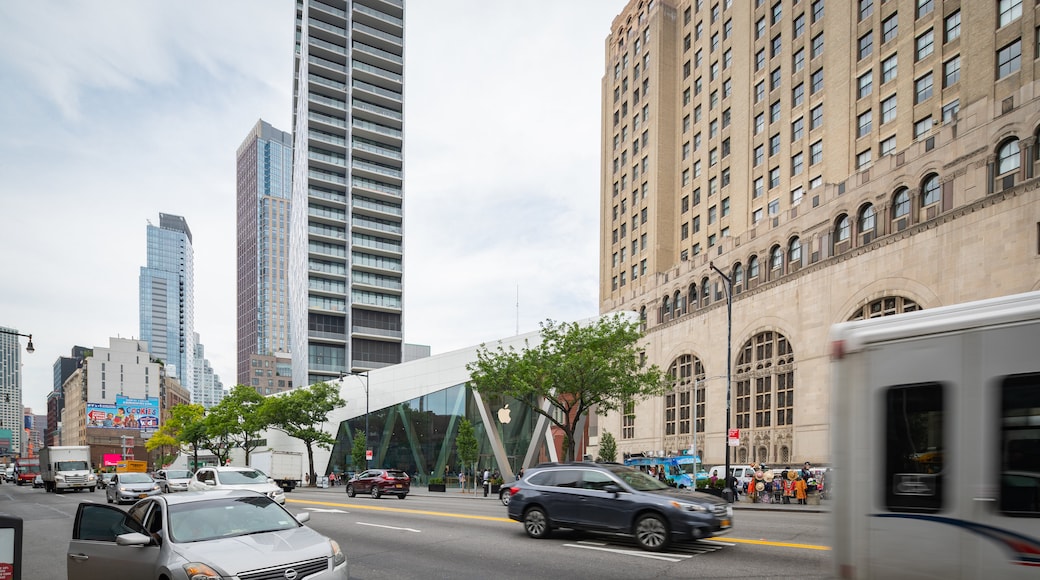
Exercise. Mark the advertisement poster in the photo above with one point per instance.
(7, 553)
(125, 413)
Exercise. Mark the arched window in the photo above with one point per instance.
(705, 292)
(901, 203)
(842, 228)
(867, 219)
(776, 258)
(666, 308)
(692, 295)
(678, 301)
(794, 251)
(764, 381)
(752, 267)
(884, 307)
(1008, 158)
(930, 190)
(738, 274)
(642, 318)
(684, 404)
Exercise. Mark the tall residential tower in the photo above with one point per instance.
(346, 264)
(835, 160)
(264, 200)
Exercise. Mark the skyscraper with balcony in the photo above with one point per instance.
(835, 160)
(11, 426)
(346, 265)
(264, 171)
(167, 298)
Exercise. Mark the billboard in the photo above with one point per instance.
(125, 413)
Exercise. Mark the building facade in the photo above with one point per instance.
(264, 170)
(911, 185)
(347, 227)
(64, 366)
(209, 390)
(11, 410)
(167, 298)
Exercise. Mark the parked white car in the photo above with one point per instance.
(208, 478)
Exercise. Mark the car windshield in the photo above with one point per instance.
(223, 518)
(134, 478)
(177, 474)
(70, 466)
(396, 475)
(240, 477)
(638, 480)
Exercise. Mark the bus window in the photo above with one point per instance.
(914, 417)
(1020, 446)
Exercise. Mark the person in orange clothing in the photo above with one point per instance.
(799, 489)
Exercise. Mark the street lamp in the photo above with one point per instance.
(727, 492)
(29, 347)
(363, 375)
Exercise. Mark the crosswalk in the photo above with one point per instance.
(678, 552)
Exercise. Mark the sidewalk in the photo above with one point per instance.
(456, 494)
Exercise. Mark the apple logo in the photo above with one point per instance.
(503, 415)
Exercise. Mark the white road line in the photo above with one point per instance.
(716, 543)
(326, 511)
(389, 527)
(669, 557)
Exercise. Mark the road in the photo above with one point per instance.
(454, 536)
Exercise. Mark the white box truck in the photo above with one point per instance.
(936, 442)
(67, 468)
(284, 467)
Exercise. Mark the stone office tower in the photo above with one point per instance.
(346, 265)
(835, 160)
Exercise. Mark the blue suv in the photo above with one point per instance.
(609, 497)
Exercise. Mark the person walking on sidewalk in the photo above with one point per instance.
(487, 481)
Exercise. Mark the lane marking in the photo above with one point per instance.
(669, 557)
(326, 511)
(389, 527)
(716, 543)
(779, 544)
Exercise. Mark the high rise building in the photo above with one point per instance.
(11, 410)
(346, 263)
(834, 161)
(264, 200)
(208, 388)
(64, 366)
(167, 295)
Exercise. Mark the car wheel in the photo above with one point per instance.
(402, 495)
(376, 492)
(350, 491)
(652, 533)
(536, 523)
(503, 496)
(92, 489)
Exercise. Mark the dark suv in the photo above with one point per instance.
(379, 482)
(609, 497)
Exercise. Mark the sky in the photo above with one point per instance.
(114, 112)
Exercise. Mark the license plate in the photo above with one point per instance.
(142, 495)
(398, 485)
(725, 523)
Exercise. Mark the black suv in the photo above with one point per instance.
(609, 497)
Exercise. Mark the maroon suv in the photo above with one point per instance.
(379, 482)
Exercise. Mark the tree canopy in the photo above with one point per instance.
(301, 413)
(576, 367)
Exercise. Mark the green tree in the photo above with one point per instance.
(576, 367)
(607, 448)
(237, 421)
(163, 445)
(301, 414)
(187, 426)
(466, 445)
(358, 453)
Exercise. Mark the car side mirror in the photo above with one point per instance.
(133, 539)
(210, 482)
(303, 517)
(612, 488)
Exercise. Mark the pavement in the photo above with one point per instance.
(455, 493)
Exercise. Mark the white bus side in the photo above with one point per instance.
(936, 419)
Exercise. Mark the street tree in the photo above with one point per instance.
(302, 414)
(358, 453)
(466, 445)
(575, 368)
(164, 444)
(607, 448)
(237, 421)
(187, 424)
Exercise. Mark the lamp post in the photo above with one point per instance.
(363, 375)
(727, 491)
(29, 347)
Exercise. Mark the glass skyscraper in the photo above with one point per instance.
(167, 299)
(346, 265)
(264, 201)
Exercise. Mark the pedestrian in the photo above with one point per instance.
(487, 481)
(788, 483)
(799, 489)
(520, 474)
(332, 479)
(462, 480)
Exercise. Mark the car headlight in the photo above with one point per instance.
(200, 571)
(90, 477)
(59, 478)
(155, 487)
(337, 555)
(690, 507)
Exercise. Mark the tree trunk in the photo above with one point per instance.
(310, 464)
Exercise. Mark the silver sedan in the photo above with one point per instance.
(130, 487)
(200, 535)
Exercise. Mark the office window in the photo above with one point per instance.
(760, 27)
(816, 153)
(888, 110)
(953, 26)
(1009, 59)
(686, 123)
(774, 112)
(865, 83)
(687, 43)
(924, 7)
(889, 68)
(725, 206)
(798, 60)
(816, 81)
(799, 25)
(1008, 157)
(712, 215)
(890, 28)
(727, 58)
(776, 46)
(817, 10)
(759, 187)
(774, 207)
(697, 141)
(866, 8)
(727, 29)
(774, 79)
(796, 195)
(925, 44)
(697, 114)
(816, 49)
(864, 124)
(727, 88)
(922, 127)
(865, 45)
(1010, 10)
(714, 42)
(760, 123)
(863, 159)
(797, 162)
(774, 177)
(777, 12)
(760, 91)
(756, 216)
(797, 129)
(930, 191)
(952, 71)
(923, 88)
(759, 155)
(696, 224)
(713, 128)
(798, 94)
(726, 118)
(816, 117)
(949, 110)
(760, 59)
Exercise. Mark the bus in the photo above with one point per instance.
(936, 442)
(680, 471)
